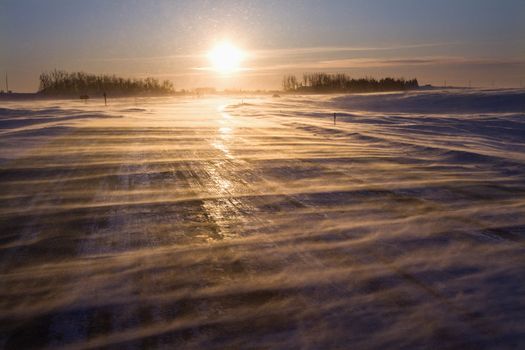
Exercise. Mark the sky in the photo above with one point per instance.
(480, 42)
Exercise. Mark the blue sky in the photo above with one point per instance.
(459, 41)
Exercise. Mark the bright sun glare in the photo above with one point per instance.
(226, 58)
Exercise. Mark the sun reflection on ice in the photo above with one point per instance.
(225, 134)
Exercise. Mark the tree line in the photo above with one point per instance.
(60, 82)
(324, 82)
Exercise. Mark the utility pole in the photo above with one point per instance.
(6, 83)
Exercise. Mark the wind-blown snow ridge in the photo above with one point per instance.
(438, 102)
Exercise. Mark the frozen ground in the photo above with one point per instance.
(211, 223)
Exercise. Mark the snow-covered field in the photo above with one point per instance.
(228, 222)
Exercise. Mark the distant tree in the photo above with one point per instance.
(324, 82)
(60, 82)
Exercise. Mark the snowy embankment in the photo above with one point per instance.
(438, 102)
(212, 223)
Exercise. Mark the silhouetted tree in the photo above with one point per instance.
(60, 82)
(324, 82)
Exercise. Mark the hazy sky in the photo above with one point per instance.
(454, 40)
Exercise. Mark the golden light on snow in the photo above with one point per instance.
(226, 58)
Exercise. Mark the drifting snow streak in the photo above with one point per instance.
(213, 224)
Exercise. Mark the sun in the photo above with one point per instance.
(226, 58)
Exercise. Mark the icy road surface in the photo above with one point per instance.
(213, 223)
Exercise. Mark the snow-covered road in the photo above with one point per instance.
(227, 222)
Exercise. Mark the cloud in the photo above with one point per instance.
(390, 62)
(144, 58)
(278, 53)
(339, 49)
